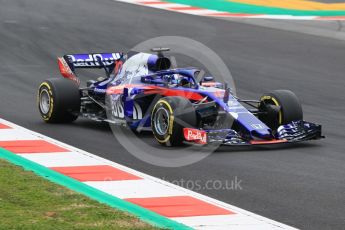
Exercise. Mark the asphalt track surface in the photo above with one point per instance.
(302, 185)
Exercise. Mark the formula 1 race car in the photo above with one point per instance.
(141, 91)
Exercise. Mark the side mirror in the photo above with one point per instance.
(208, 78)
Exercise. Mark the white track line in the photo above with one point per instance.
(13, 135)
(226, 222)
(135, 188)
(65, 159)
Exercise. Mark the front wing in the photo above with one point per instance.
(296, 131)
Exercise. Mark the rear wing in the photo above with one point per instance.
(92, 60)
(69, 62)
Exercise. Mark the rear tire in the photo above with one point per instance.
(58, 100)
(282, 107)
(169, 116)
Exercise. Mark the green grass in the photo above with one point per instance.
(28, 201)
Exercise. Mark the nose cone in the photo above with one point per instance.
(265, 134)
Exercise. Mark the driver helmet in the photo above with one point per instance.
(184, 82)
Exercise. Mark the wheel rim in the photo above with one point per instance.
(161, 121)
(44, 101)
(274, 101)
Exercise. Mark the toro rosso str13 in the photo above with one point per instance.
(142, 92)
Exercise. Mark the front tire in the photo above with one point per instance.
(169, 116)
(58, 100)
(281, 108)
